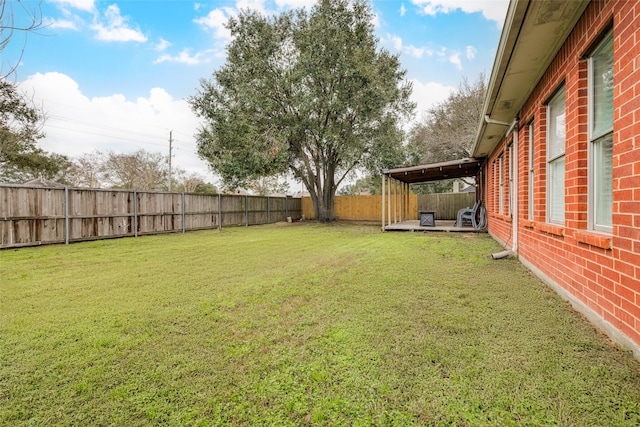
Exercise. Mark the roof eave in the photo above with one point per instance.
(532, 36)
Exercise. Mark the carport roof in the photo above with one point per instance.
(435, 171)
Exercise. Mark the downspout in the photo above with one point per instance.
(489, 120)
(514, 223)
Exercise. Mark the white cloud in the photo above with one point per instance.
(493, 10)
(216, 21)
(286, 4)
(257, 5)
(85, 5)
(375, 20)
(185, 57)
(403, 10)
(416, 52)
(396, 42)
(117, 28)
(454, 58)
(77, 124)
(471, 52)
(426, 95)
(62, 24)
(161, 45)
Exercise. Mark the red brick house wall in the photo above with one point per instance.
(601, 271)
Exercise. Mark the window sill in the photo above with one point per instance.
(594, 239)
(556, 230)
(527, 223)
(501, 217)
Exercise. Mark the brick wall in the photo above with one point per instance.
(601, 270)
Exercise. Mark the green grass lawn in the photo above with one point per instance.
(298, 324)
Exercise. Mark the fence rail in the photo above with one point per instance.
(32, 216)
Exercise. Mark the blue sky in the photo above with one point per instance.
(115, 74)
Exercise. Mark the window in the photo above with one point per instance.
(530, 173)
(510, 179)
(601, 136)
(501, 184)
(556, 134)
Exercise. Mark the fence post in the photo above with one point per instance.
(219, 211)
(286, 206)
(246, 210)
(66, 215)
(183, 214)
(135, 213)
(268, 210)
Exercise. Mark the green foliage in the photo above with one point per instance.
(206, 188)
(371, 184)
(298, 325)
(433, 187)
(307, 93)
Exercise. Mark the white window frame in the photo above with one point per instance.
(594, 138)
(501, 184)
(555, 159)
(510, 180)
(530, 173)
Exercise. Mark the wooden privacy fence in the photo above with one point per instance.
(369, 208)
(33, 215)
(357, 208)
(446, 205)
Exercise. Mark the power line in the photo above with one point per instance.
(182, 146)
(130, 123)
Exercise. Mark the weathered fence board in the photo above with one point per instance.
(33, 216)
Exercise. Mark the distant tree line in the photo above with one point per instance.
(141, 170)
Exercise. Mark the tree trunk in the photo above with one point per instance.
(323, 203)
(325, 211)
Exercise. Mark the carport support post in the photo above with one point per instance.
(408, 200)
(389, 200)
(402, 206)
(384, 177)
(404, 201)
(395, 201)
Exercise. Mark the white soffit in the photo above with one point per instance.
(536, 31)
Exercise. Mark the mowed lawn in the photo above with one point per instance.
(298, 324)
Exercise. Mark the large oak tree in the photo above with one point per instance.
(306, 92)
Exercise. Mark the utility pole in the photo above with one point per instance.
(170, 154)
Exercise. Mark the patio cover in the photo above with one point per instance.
(435, 171)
